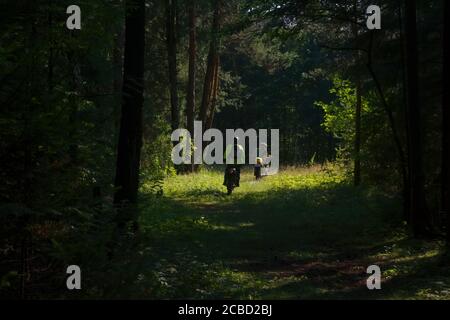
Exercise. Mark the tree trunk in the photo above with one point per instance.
(190, 103)
(171, 39)
(117, 83)
(211, 77)
(213, 58)
(405, 155)
(358, 106)
(215, 92)
(403, 165)
(446, 120)
(130, 135)
(73, 116)
(50, 62)
(29, 147)
(419, 213)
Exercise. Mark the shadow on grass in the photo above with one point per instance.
(307, 243)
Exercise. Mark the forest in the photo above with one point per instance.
(90, 98)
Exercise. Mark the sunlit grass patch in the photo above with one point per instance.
(305, 233)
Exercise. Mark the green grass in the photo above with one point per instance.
(301, 234)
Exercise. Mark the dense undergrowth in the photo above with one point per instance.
(302, 234)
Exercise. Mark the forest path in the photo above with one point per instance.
(302, 234)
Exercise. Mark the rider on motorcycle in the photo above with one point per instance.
(234, 161)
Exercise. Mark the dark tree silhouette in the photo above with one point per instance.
(419, 212)
(130, 135)
(171, 38)
(358, 107)
(190, 96)
(212, 71)
(446, 119)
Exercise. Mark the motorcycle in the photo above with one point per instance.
(231, 180)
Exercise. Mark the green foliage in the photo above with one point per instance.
(339, 120)
(60, 94)
(156, 164)
(339, 116)
(267, 83)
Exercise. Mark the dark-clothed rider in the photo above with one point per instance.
(234, 160)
